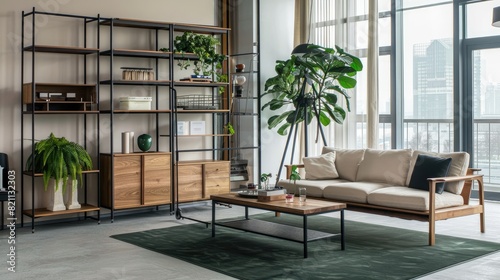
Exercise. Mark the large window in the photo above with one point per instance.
(424, 87)
(427, 66)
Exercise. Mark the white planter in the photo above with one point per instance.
(56, 202)
(72, 202)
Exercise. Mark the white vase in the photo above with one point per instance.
(73, 196)
(56, 201)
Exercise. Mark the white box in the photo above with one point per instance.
(135, 103)
(182, 128)
(197, 127)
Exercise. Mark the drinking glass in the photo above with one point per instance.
(289, 197)
(302, 195)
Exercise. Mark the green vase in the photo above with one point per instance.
(144, 141)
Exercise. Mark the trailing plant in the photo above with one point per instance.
(322, 75)
(204, 47)
(58, 158)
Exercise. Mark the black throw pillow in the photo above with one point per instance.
(429, 167)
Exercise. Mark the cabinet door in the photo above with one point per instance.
(156, 179)
(216, 178)
(190, 182)
(127, 184)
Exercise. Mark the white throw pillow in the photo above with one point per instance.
(321, 167)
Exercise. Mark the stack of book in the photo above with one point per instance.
(271, 195)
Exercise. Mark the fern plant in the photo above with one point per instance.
(58, 158)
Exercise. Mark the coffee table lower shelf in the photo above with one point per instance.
(276, 230)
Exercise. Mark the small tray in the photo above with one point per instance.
(250, 194)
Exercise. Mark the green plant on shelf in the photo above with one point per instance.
(204, 47)
(229, 128)
(58, 158)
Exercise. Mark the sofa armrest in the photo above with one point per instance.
(289, 169)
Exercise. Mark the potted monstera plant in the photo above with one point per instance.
(312, 83)
(58, 159)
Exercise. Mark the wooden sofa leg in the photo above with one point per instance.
(482, 224)
(432, 231)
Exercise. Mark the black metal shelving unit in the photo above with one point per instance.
(34, 111)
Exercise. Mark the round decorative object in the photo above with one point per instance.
(144, 141)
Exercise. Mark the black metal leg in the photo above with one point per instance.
(2, 216)
(246, 212)
(305, 236)
(213, 218)
(342, 238)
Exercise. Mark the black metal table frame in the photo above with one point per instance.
(238, 224)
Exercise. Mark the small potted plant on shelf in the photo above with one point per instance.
(58, 159)
(208, 62)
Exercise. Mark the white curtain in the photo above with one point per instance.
(332, 22)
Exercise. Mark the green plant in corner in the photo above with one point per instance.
(59, 158)
(311, 83)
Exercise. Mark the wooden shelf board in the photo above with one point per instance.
(148, 24)
(202, 111)
(198, 84)
(118, 154)
(199, 161)
(62, 85)
(202, 135)
(60, 112)
(41, 174)
(137, 53)
(41, 212)
(135, 23)
(138, 83)
(135, 111)
(61, 49)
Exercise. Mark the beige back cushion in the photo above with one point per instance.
(458, 167)
(346, 161)
(321, 167)
(385, 166)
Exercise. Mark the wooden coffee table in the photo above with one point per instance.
(302, 235)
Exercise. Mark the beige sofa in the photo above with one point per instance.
(377, 181)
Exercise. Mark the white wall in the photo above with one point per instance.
(276, 44)
(56, 68)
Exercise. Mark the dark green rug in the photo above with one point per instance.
(372, 251)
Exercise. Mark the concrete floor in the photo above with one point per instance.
(83, 250)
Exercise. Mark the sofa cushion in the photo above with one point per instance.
(385, 166)
(346, 161)
(458, 167)
(321, 167)
(429, 167)
(351, 191)
(313, 187)
(412, 199)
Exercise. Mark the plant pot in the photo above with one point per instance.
(56, 201)
(72, 202)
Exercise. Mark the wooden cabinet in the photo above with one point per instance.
(137, 180)
(200, 179)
